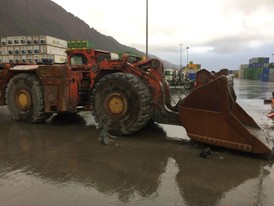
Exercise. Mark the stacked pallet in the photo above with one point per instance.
(258, 68)
(32, 49)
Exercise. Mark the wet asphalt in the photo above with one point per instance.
(61, 162)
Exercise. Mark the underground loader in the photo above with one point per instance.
(125, 94)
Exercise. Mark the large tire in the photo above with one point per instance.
(121, 103)
(25, 98)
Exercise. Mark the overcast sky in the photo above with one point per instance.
(219, 33)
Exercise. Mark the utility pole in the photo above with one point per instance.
(180, 55)
(187, 48)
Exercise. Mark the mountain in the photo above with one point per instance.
(44, 17)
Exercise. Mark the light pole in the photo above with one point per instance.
(180, 55)
(187, 48)
(146, 29)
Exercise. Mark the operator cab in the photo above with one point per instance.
(85, 58)
(79, 60)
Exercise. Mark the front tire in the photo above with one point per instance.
(121, 103)
(25, 98)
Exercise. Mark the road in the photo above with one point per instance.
(61, 162)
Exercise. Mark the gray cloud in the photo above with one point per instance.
(232, 44)
(246, 6)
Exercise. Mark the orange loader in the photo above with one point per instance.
(125, 95)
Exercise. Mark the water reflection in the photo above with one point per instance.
(145, 169)
(248, 89)
(62, 160)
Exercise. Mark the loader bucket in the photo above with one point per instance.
(211, 115)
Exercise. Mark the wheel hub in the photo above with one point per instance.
(23, 99)
(116, 105)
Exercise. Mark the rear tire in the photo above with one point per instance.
(25, 98)
(121, 103)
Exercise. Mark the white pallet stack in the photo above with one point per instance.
(32, 49)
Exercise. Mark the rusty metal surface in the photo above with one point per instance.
(221, 120)
(60, 88)
(210, 115)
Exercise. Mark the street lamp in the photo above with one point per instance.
(187, 48)
(180, 55)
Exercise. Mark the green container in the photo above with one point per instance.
(81, 44)
(86, 44)
(71, 44)
(256, 73)
(248, 73)
(245, 76)
(78, 45)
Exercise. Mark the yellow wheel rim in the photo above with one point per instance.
(116, 104)
(23, 99)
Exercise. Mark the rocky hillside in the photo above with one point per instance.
(44, 17)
